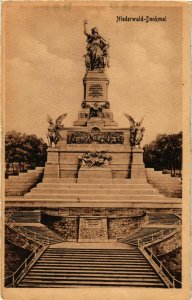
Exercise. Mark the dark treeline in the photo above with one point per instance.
(165, 153)
(23, 152)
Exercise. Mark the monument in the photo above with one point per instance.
(93, 189)
(95, 147)
(95, 165)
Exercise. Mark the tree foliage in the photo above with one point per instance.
(24, 149)
(165, 152)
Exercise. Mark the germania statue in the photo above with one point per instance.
(97, 57)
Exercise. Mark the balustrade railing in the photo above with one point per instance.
(143, 245)
(160, 235)
(27, 232)
(167, 277)
(13, 279)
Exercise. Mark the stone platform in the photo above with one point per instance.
(94, 192)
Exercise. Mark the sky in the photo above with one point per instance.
(44, 65)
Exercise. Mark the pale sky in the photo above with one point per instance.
(44, 65)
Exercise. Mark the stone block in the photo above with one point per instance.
(51, 170)
(97, 172)
(52, 155)
(93, 229)
(68, 173)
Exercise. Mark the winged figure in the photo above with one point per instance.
(54, 128)
(136, 131)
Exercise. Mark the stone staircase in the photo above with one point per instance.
(154, 225)
(164, 183)
(65, 267)
(144, 232)
(29, 223)
(94, 190)
(22, 183)
(45, 232)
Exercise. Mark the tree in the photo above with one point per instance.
(23, 149)
(165, 152)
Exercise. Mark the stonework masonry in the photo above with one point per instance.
(120, 228)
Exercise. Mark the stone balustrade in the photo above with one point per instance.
(19, 239)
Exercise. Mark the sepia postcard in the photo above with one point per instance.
(95, 150)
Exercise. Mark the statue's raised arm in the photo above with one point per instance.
(85, 30)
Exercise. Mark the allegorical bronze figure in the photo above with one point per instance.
(97, 57)
(136, 131)
(54, 128)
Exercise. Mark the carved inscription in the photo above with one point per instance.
(93, 223)
(95, 90)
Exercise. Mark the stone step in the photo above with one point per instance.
(166, 184)
(112, 273)
(96, 255)
(60, 191)
(163, 177)
(90, 268)
(94, 277)
(16, 186)
(91, 264)
(170, 188)
(130, 268)
(85, 251)
(94, 264)
(114, 253)
(92, 257)
(112, 181)
(74, 283)
(84, 270)
(94, 186)
(91, 251)
(29, 175)
(160, 175)
(93, 180)
(106, 197)
(22, 180)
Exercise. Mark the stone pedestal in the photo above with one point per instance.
(95, 172)
(52, 164)
(137, 166)
(95, 122)
(95, 106)
(95, 86)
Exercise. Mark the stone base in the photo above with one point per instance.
(97, 172)
(137, 166)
